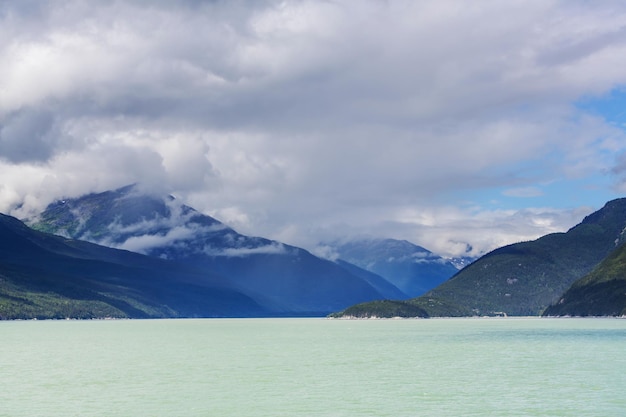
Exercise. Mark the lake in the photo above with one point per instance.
(314, 367)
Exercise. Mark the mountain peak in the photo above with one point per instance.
(614, 210)
(132, 217)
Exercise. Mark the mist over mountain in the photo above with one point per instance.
(282, 278)
(411, 268)
(177, 262)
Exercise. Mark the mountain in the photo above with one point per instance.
(283, 279)
(47, 276)
(602, 292)
(525, 278)
(411, 268)
(387, 289)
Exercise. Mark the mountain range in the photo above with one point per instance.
(135, 253)
(411, 268)
(283, 279)
(545, 276)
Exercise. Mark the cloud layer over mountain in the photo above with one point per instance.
(446, 123)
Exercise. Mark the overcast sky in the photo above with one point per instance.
(447, 123)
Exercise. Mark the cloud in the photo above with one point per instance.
(450, 233)
(523, 192)
(144, 243)
(27, 135)
(296, 119)
(270, 249)
(326, 252)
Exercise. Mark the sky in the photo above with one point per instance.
(459, 126)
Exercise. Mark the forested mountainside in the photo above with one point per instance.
(602, 292)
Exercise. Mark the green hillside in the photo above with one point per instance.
(600, 293)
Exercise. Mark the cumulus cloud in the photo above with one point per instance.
(297, 119)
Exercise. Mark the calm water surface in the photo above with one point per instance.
(314, 367)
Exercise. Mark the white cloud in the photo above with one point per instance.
(270, 249)
(451, 231)
(326, 252)
(299, 119)
(144, 243)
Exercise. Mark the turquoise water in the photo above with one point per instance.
(314, 367)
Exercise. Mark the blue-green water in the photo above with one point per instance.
(314, 367)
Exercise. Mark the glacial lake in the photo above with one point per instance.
(496, 367)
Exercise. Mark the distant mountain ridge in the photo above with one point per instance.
(411, 268)
(281, 278)
(527, 277)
